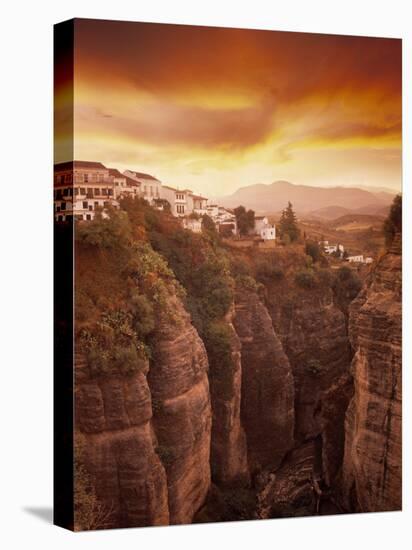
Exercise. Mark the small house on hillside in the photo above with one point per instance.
(356, 259)
(264, 229)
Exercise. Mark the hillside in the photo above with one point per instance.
(273, 197)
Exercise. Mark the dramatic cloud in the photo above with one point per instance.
(218, 108)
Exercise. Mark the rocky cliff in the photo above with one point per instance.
(147, 436)
(228, 448)
(373, 457)
(313, 332)
(267, 404)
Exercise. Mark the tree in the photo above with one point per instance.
(208, 224)
(312, 249)
(245, 219)
(288, 224)
(393, 223)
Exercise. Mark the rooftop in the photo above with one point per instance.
(142, 175)
(72, 165)
(115, 173)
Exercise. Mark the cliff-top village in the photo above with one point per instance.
(82, 188)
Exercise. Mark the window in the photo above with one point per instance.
(63, 206)
(180, 208)
(97, 191)
(90, 191)
(79, 217)
(68, 178)
(88, 217)
(110, 192)
(85, 205)
(60, 218)
(58, 194)
(57, 208)
(90, 207)
(104, 192)
(76, 190)
(96, 204)
(86, 178)
(82, 190)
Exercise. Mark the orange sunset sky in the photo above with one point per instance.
(214, 109)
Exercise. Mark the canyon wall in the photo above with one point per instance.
(228, 447)
(267, 404)
(313, 333)
(147, 436)
(373, 453)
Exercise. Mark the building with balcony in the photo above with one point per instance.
(149, 186)
(81, 187)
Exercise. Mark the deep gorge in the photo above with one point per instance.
(251, 397)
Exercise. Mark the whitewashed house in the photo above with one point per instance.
(184, 202)
(332, 248)
(268, 233)
(81, 187)
(123, 185)
(193, 224)
(149, 186)
(356, 259)
(264, 229)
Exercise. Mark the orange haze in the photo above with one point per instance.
(215, 109)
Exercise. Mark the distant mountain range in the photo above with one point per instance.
(318, 202)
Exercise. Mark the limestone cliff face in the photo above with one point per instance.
(179, 387)
(372, 462)
(147, 436)
(113, 415)
(228, 449)
(313, 332)
(267, 396)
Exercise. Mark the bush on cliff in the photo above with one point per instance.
(305, 279)
(312, 249)
(393, 223)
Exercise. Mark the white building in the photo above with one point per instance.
(123, 185)
(193, 224)
(268, 233)
(260, 223)
(355, 259)
(264, 229)
(331, 248)
(81, 187)
(149, 186)
(184, 202)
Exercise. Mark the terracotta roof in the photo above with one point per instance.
(168, 187)
(115, 173)
(131, 182)
(199, 197)
(63, 166)
(142, 175)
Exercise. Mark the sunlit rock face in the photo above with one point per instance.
(373, 449)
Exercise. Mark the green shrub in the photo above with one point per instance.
(325, 277)
(393, 223)
(305, 279)
(143, 321)
(312, 249)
